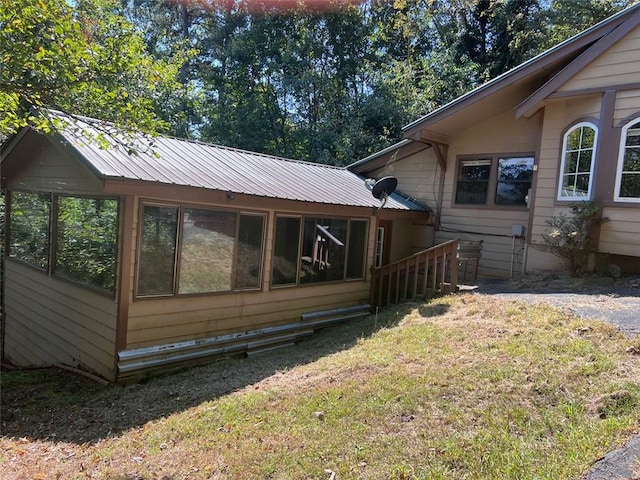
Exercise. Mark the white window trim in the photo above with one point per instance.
(623, 145)
(563, 161)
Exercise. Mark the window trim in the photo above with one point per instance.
(620, 163)
(493, 181)
(563, 156)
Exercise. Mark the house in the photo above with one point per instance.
(496, 163)
(127, 254)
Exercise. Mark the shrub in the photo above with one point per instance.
(568, 236)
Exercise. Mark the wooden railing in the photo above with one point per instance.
(422, 275)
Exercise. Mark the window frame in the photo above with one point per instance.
(52, 247)
(9, 231)
(302, 219)
(178, 253)
(493, 180)
(563, 162)
(620, 163)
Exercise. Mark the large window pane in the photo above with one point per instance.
(357, 248)
(157, 250)
(249, 254)
(323, 250)
(473, 181)
(285, 252)
(29, 235)
(514, 180)
(206, 261)
(87, 232)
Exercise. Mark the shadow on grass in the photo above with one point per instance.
(52, 404)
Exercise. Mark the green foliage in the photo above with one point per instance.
(86, 247)
(29, 236)
(569, 236)
(80, 57)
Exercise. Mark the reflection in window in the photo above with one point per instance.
(473, 181)
(323, 250)
(514, 180)
(357, 248)
(206, 257)
(86, 247)
(157, 250)
(285, 254)
(249, 254)
(331, 249)
(576, 170)
(29, 235)
(628, 174)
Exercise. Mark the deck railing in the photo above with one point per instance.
(422, 275)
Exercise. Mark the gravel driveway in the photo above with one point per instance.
(599, 298)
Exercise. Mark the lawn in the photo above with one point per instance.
(463, 387)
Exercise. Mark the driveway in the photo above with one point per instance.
(600, 298)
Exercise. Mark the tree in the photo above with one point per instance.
(81, 57)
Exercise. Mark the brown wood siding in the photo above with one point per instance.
(51, 321)
(46, 167)
(171, 319)
(621, 233)
(619, 65)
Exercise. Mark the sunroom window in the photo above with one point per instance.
(628, 172)
(29, 218)
(578, 160)
(84, 248)
(186, 250)
(318, 249)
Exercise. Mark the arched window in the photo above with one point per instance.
(578, 159)
(628, 171)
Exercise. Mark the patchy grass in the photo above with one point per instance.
(465, 387)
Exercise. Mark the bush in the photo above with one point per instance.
(568, 236)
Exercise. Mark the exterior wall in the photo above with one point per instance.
(418, 176)
(558, 116)
(51, 321)
(46, 167)
(158, 321)
(497, 135)
(617, 66)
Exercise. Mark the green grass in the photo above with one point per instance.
(469, 387)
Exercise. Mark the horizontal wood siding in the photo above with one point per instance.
(619, 65)
(418, 176)
(558, 116)
(46, 167)
(173, 319)
(620, 235)
(627, 105)
(500, 134)
(51, 321)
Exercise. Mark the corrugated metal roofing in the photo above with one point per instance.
(194, 164)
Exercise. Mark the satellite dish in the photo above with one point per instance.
(383, 187)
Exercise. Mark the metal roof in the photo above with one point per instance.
(172, 161)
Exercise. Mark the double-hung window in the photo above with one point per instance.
(494, 180)
(627, 187)
(578, 160)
